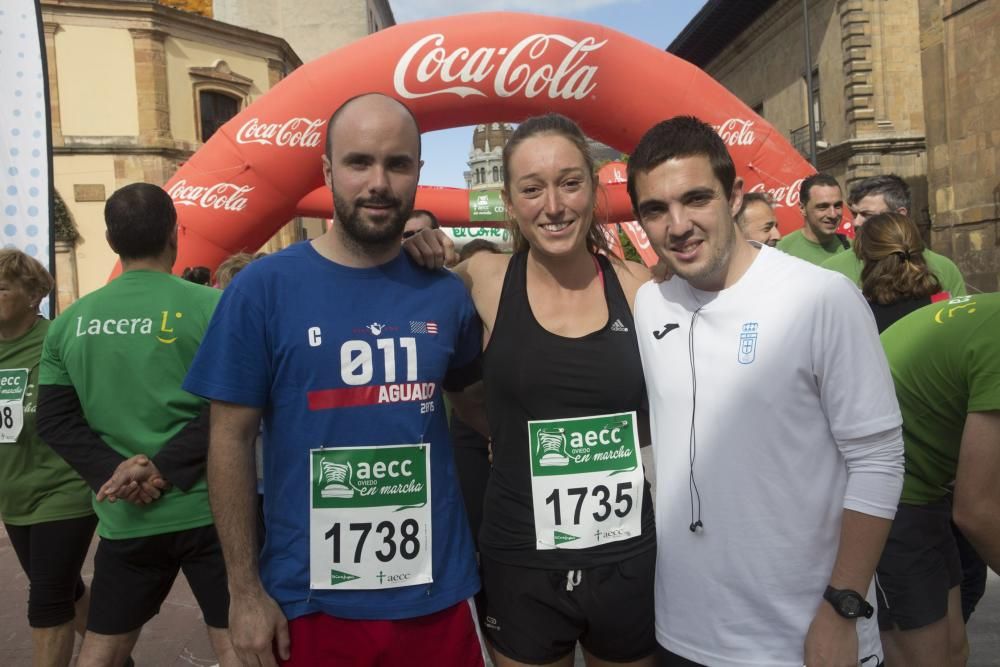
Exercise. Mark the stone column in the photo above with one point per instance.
(151, 87)
(67, 284)
(53, 73)
(275, 72)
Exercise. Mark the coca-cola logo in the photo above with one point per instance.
(522, 69)
(221, 196)
(638, 235)
(293, 133)
(784, 195)
(736, 132)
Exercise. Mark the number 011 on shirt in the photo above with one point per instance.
(586, 480)
(370, 517)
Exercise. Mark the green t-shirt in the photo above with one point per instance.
(797, 245)
(945, 362)
(947, 273)
(36, 485)
(126, 349)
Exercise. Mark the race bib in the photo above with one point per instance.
(370, 517)
(586, 480)
(13, 387)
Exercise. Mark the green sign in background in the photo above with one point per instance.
(486, 206)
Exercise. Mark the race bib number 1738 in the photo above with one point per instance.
(370, 517)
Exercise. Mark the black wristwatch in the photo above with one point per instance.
(848, 603)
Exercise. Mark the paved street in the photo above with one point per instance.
(176, 638)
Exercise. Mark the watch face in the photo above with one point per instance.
(850, 605)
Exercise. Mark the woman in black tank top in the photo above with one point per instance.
(567, 541)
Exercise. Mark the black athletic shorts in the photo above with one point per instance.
(51, 554)
(536, 616)
(133, 577)
(919, 565)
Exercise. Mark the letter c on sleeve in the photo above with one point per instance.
(315, 336)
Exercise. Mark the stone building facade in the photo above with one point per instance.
(960, 58)
(866, 78)
(134, 89)
(901, 86)
(486, 156)
(312, 27)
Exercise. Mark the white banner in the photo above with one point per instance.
(24, 141)
(497, 235)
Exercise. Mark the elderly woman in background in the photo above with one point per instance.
(45, 506)
(895, 278)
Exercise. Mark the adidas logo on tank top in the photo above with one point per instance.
(618, 326)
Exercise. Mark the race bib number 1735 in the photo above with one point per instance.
(586, 480)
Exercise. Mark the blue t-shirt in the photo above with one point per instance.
(286, 338)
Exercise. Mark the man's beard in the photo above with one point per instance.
(366, 233)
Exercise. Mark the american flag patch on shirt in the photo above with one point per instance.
(423, 327)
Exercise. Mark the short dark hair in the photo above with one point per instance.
(477, 245)
(200, 275)
(680, 137)
(140, 218)
(753, 198)
(339, 110)
(816, 179)
(427, 214)
(893, 189)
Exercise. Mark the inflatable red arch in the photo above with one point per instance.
(263, 167)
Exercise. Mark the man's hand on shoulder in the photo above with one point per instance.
(431, 249)
(135, 480)
(661, 272)
(832, 640)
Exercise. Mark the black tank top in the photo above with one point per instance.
(530, 373)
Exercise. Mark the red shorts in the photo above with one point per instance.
(445, 638)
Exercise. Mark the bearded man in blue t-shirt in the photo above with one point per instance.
(343, 346)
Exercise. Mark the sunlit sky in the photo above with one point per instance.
(654, 21)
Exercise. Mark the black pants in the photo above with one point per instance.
(51, 554)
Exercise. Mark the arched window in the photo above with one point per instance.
(496, 174)
(214, 110)
(219, 94)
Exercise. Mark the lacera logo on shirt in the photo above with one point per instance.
(131, 326)
(959, 305)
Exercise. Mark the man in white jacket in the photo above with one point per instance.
(776, 431)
